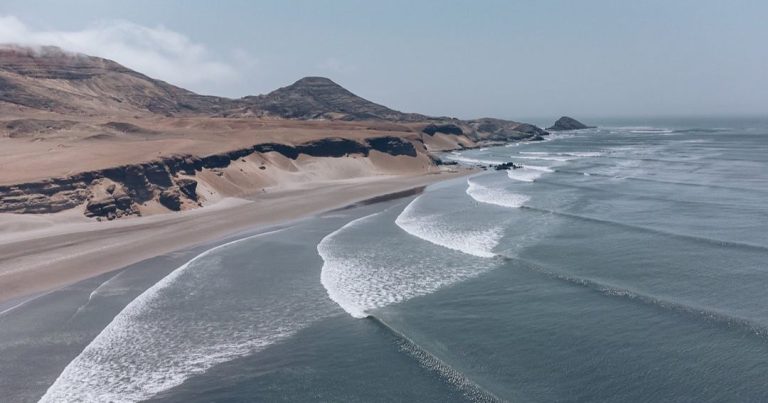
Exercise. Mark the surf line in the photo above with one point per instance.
(431, 362)
(610, 290)
(59, 386)
(633, 227)
(28, 300)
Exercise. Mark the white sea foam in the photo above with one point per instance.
(579, 154)
(546, 158)
(528, 173)
(497, 196)
(584, 154)
(440, 231)
(538, 168)
(641, 129)
(553, 156)
(365, 269)
(655, 131)
(468, 160)
(189, 321)
(338, 273)
(524, 174)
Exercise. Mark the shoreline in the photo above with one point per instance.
(43, 260)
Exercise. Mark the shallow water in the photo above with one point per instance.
(626, 263)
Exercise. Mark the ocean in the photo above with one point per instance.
(623, 263)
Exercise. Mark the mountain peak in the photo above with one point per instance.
(316, 86)
(53, 62)
(315, 80)
(321, 98)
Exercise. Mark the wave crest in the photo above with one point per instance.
(430, 227)
(364, 269)
(496, 196)
(191, 320)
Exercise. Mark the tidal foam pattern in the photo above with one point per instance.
(439, 229)
(200, 315)
(495, 195)
(365, 269)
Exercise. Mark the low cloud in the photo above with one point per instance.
(157, 52)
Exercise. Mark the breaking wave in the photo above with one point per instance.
(431, 362)
(432, 228)
(189, 321)
(460, 158)
(525, 174)
(365, 269)
(557, 156)
(496, 196)
(640, 130)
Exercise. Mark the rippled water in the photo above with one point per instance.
(625, 263)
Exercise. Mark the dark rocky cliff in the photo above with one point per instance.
(116, 192)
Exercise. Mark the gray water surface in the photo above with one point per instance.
(625, 263)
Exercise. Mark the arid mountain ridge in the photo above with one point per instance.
(49, 79)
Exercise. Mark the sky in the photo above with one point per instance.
(468, 59)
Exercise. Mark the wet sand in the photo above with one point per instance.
(41, 256)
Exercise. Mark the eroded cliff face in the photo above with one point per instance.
(172, 181)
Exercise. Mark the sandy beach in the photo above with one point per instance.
(45, 252)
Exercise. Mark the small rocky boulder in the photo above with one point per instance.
(507, 166)
(568, 123)
(188, 187)
(171, 198)
(109, 201)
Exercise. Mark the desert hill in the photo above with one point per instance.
(321, 98)
(49, 79)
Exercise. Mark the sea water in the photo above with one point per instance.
(623, 263)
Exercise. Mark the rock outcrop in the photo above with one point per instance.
(500, 130)
(568, 123)
(171, 198)
(507, 166)
(447, 128)
(113, 202)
